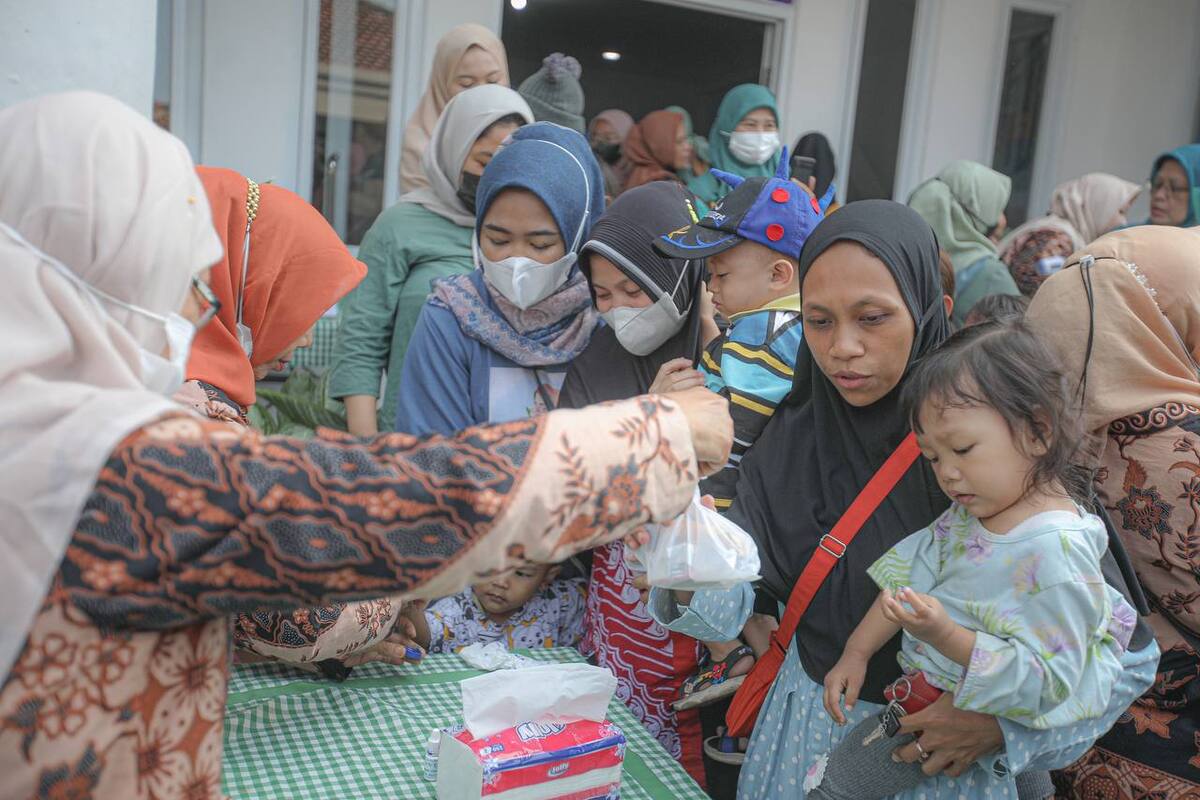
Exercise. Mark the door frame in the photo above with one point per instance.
(1051, 135)
(777, 38)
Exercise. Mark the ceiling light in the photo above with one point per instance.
(607, 55)
(517, 5)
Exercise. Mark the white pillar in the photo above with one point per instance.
(56, 45)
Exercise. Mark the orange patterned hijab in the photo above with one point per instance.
(298, 269)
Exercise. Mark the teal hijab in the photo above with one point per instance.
(1188, 157)
(737, 103)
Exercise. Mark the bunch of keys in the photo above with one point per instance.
(889, 722)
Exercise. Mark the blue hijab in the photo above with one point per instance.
(555, 164)
(1188, 157)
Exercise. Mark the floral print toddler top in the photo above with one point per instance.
(1049, 631)
(552, 618)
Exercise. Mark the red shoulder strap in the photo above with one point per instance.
(833, 544)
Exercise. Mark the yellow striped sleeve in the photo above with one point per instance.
(746, 402)
(759, 355)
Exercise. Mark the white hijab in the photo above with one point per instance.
(465, 118)
(93, 184)
(1084, 208)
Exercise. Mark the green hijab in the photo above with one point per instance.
(962, 204)
(1188, 157)
(737, 103)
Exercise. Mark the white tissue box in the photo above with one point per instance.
(533, 761)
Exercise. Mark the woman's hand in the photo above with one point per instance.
(846, 678)
(400, 647)
(676, 375)
(952, 739)
(710, 425)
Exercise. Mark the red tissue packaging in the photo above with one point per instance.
(533, 761)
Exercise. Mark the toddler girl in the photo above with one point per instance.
(1001, 599)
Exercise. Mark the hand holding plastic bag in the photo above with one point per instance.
(699, 550)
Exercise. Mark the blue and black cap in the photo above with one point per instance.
(772, 211)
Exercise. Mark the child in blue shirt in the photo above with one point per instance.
(752, 240)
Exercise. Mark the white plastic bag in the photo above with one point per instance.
(699, 550)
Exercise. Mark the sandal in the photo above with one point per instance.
(726, 749)
(712, 681)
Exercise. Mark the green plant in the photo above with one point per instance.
(297, 408)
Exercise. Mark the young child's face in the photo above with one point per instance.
(978, 461)
(503, 596)
(741, 278)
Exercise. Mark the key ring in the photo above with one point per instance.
(896, 691)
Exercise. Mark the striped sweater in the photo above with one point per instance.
(751, 365)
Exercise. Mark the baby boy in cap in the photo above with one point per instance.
(752, 239)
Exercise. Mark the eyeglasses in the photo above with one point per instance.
(210, 306)
(1173, 188)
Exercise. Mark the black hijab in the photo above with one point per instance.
(817, 453)
(606, 370)
(816, 146)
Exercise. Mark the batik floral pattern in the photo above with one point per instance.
(1150, 482)
(120, 688)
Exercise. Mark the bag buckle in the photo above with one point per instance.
(839, 547)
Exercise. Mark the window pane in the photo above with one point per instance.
(882, 80)
(354, 78)
(1025, 67)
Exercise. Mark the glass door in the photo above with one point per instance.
(355, 48)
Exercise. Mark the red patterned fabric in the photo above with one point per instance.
(650, 662)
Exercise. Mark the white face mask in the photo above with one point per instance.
(753, 147)
(163, 375)
(524, 281)
(641, 331)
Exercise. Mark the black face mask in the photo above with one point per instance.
(468, 187)
(608, 152)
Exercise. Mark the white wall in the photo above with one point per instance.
(1132, 87)
(55, 45)
(1124, 87)
(824, 69)
(254, 58)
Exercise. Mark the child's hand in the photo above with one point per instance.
(847, 678)
(927, 621)
(675, 376)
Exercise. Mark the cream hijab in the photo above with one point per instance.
(1145, 288)
(464, 120)
(1084, 208)
(101, 189)
(450, 50)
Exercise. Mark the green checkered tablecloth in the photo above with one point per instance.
(288, 736)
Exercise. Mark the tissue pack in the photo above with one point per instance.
(533, 761)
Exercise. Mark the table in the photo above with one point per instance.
(288, 735)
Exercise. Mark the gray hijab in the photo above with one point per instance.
(463, 120)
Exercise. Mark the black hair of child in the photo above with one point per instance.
(998, 308)
(1004, 366)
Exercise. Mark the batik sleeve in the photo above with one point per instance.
(189, 521)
